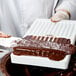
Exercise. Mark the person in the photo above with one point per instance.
(16, 16)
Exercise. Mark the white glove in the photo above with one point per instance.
(60, 15)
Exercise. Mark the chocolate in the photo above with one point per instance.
(1, 51)
(9, 69)
(61, 74)
(45, 46)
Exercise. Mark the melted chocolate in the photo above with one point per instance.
(9, 69)
(1, 51)
(53, 48)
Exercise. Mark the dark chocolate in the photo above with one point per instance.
(9, 69)
(49, 46)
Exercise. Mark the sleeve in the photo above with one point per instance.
(69, 6)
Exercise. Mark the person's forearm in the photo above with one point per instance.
(3, 35)
(69, 7)
(65, 10)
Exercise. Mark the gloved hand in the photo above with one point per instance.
(60, 15)
(3, 35)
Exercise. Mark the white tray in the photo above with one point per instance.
(8, 42)
(65, 28)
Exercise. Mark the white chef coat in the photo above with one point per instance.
(33, 9)
(28, 11)
(16, 16)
